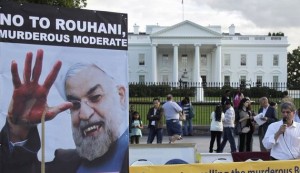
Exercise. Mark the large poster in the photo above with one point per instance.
(284, 166)
(70, 67)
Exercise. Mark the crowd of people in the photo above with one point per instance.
(172, 112)
(233, 118)
(281, 138)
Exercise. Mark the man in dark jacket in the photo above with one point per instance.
(268, 114)
(155, 122)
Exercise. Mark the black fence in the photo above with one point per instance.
(205, 96)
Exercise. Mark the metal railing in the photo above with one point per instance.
(205, 96)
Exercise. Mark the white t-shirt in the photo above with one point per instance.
(287, 146)
(171, 110)
(216, 125)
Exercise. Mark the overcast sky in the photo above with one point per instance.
(249, 16)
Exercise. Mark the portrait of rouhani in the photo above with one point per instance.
(96, 117)
(98, 108)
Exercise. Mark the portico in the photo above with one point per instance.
(176, 54)
(182, 61)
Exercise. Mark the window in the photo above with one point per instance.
(259, 60)
(142, 78)
(165, 60)
(243, 79)
(203, 60)
(165, 78)
(203, 78)
(227, 79)
(258, 80)
(243, 60)
(275, 82)
(275, 60)
(203, 81)
(141, 59)
(184, 60)
(227, 60)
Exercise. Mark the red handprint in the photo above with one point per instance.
(29, 98)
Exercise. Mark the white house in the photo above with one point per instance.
(193, 53)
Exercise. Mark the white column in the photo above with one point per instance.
(218, 63)
(175, 62)
(197, 63)
(213, 64)
(154, 63)
(199, 95)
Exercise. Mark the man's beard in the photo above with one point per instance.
(91, 147)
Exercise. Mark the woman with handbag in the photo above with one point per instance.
(245, 119)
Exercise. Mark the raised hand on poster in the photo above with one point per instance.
(29, 99)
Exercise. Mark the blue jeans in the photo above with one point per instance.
(228, 135)
(187, 127)
(158, 132)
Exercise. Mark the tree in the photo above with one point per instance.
(276, 34)
(60, 3)
(293, 66)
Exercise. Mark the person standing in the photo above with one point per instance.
(268, 114)
(216, 128)
(238, 96)
(131, 110)
(226, 97)
(189, 112)
(171, 110)
(283, 137)
(155, 122)
(274, 105)
(136, 128)
(297, 116)
(245, 118)
(228, 130)
(286, 97)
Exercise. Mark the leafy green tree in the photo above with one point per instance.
(60, 3)
(293, 66)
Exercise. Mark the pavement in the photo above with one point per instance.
(202, 142)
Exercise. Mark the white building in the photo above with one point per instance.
(190, 52)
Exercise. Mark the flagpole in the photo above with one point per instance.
(182, 10)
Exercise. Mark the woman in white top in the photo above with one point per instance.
(216, 128)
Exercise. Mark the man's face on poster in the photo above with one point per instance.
(97, 112)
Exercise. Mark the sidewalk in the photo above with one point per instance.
(202, 142)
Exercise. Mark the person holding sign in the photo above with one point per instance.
(283, 137)
(98, 108)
